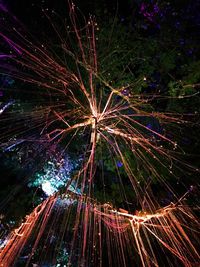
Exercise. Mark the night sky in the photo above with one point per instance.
(99, 119)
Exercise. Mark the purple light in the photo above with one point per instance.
(5, 56)
(12, 44)
(149, 126)
(3, 7)
(119, 164)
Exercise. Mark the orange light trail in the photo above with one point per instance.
(76, 102)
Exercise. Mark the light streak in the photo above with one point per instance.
(167, 226)
(5, 106)
(74, 105)
(19, 237)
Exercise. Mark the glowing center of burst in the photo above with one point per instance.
(94, 134)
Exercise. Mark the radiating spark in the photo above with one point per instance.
(72, 106)
(5, 106)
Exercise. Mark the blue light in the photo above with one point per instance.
(119, 164)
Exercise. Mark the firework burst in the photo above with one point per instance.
(70, 102)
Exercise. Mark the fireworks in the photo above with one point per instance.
(74, 106)
(167, 228)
